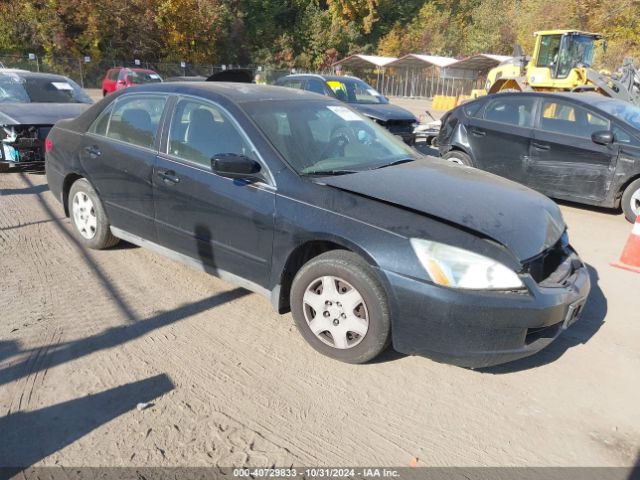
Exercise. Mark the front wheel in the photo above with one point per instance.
(340, 307)
(631, 201)
(88, 217)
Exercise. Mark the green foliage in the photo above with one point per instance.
(305, 34)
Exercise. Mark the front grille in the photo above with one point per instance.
(399, 126)
(542, 266)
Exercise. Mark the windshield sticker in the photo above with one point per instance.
(345, 114)
(62, 85)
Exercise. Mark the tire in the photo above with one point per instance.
(89, 220)
(369, 314)
(631, 201)
(104, 93)
(4, 167)
(457, 156)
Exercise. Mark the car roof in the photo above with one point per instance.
(323, 77)
(234, 91)
(28, 74)
(586, 98)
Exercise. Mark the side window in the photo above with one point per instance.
(113, 74)
(512, 111)
(100, 124)
(201, 130)
(135, 120)
(316, 86)
(293, 84)
(561, 117)
(549, 48)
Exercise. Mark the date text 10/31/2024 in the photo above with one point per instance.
(315, 472)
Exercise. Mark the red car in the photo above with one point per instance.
(121, 77)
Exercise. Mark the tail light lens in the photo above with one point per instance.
(48, 145)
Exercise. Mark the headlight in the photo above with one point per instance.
(459, 268)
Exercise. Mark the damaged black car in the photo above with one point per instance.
(581, 147)
(30, 103)
(308, 202)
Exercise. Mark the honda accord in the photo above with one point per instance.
(308, 202)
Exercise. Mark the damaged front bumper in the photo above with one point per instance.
(22, 144)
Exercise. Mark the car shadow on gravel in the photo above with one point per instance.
(28, 437)
(43, 357)
(577, 334)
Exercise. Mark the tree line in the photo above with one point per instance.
(304, 34)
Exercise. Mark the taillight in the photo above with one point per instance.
(48, 145)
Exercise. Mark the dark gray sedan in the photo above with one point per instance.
(308, 202)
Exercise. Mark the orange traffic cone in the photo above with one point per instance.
(630, 258)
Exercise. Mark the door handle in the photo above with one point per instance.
(478, 133)
(169, 177)
(540, 146)
(93, 150)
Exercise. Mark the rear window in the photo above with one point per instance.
(15, 88)
(138, 78)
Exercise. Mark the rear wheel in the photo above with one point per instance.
(104, 93)
(456, 156)
(340, 307)
(631, 201)
(89, 219)
(4, 167)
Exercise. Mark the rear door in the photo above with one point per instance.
(118, 155)
(225, 225)
(564, 161)
(500, 136)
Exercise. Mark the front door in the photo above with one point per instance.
(565, 162)
(118, 154)
(500, 138)
(225, 225)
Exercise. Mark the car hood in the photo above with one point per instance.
(384, 112)
(515, 216)
(39, 113)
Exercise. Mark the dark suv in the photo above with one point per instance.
(361, 96)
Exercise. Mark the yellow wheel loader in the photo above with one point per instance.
(561, 61)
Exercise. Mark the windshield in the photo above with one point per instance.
(318, 137)
(575, 50)
(626, 112)
(352, 90)
(15, 88)
(138, 78)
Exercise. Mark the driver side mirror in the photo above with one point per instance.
(232, 165)
(604, 137)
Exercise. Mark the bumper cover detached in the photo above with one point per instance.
(481, 328)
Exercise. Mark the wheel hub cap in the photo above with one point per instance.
(335, 312)
(635, 202)
(84, 215)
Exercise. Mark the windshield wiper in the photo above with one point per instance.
(396, 162)
(329, 172)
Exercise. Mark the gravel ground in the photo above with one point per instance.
(86, 336)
